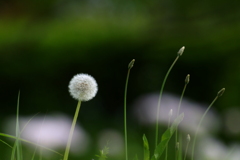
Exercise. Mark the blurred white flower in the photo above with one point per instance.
(210, 148)
(145, 109)
(83, 87)
(50, 131)
(231, 120)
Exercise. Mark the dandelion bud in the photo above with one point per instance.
(188, 138)
(181, 50)
(83, 87)
(220, 93)
(177, 146)
(170, 113)
(130, 65)
(187, 79)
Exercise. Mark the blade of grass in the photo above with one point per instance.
(219, 94)
(166, 137)
(28, 122)
(26, 141)
(146, 152)
(13, 151)
(6, 143)
(34, 152)
(38, 139)
(17, 144)
(161, 91)
(188, 141)
(130, 65)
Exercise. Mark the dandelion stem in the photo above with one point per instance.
(203, 116)
(125, 108)
(71, 131)
(160, 97)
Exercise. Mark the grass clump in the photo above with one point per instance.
(83, 87)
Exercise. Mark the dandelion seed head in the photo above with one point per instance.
(83, 87)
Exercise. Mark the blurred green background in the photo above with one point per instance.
(44, 43)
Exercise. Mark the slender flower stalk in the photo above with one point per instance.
(82, 87)
(130, 65)
(169, 120)
(177, 149)
(219, 94)
(71, 131)
(187, 80)
(188, 141)
(180, 52)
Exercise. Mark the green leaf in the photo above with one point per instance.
(166, 137)
(103, 153)
(146, 152)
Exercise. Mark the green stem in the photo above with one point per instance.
(71, 131)
(130, 65)
(179, 106)
(180, 147)
(199, 124)
(160, 97)
(169, 120)
(177, 147)
(125, 115)
(186, 151)
(40, 154)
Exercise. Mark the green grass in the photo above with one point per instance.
(161, 146)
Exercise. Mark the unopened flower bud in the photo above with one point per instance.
(170, 113)
(187, 79)
(220, 93)
(188, 138)
(181, 50)
(130, 65)
(177, 146)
